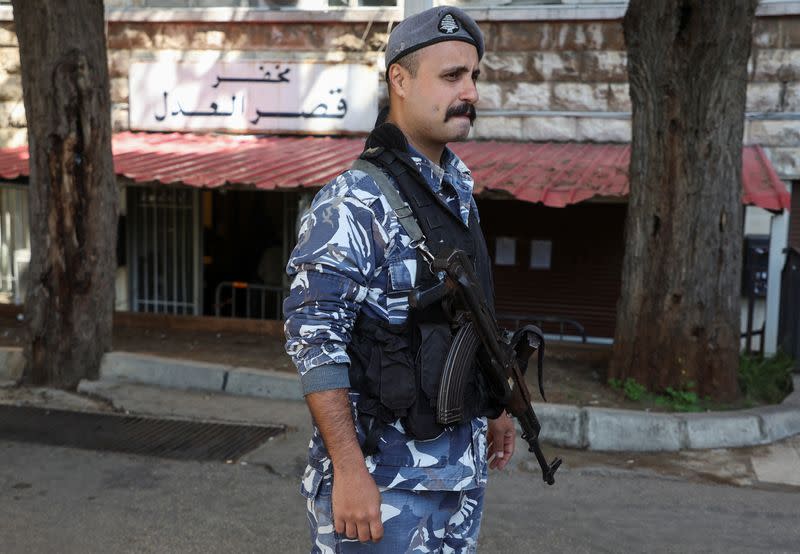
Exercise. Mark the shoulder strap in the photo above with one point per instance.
(401, 209)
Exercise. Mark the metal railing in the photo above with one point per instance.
(540, 320)
(750, 333)
(248, 300)
(163, 250)
(757, 283)
(15, 242)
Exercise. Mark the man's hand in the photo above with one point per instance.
(356, 505)
(500, 439)
(356, 498)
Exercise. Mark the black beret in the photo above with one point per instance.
(429, 27)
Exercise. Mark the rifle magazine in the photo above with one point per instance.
(459, 362)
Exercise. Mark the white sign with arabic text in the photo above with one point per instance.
(304, 97)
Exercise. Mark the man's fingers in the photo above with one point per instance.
(510, 443)
(338, 524)
(500, 463)
(363, 531)
(503, 457)
(376, 530)
(500, 440)
(351, 531)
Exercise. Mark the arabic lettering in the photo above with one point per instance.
(334, 108)
(319, 111)
(266, 78)
(161, 117)
(214, 110)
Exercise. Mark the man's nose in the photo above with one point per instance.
(469, 91)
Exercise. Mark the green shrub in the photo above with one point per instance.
(680, 400)
(632, 389)
(766, 380)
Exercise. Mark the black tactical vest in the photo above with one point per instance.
(397, 368)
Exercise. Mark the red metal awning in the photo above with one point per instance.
(555, 174)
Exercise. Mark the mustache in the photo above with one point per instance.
(461, 109)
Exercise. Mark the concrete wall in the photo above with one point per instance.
(545, 77)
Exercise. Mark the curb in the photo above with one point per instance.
(599, 429)
(187, 374)
(612, 430)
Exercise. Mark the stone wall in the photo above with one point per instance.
(12, 112)
(563, 79)
(774, 89)
(541, 80)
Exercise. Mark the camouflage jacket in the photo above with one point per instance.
(353, 255)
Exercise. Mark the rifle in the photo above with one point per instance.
(507, 357)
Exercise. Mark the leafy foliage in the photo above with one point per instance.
(762, 381)
(632, 389)
(680, 400)
(766, 380)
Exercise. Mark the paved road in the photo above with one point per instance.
(67, 500)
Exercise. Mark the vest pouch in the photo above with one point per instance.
(397, 383)
(365, 367)
(434, 344)
(435, 341)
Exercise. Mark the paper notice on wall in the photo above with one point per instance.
(541, 252)
(505, 251)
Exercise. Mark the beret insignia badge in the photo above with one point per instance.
(448, 25)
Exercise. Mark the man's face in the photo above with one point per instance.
(440, 98)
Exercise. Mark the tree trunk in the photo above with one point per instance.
(678, 315)
(73, 194)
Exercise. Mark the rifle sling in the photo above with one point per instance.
(405, 216)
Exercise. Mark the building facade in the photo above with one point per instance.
(554, 74)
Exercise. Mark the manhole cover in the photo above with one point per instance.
(163, 437)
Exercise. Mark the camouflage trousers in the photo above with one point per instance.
(413, 522)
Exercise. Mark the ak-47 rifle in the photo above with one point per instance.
(507, 357)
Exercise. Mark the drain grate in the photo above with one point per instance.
(150, 436)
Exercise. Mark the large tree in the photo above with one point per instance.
(678, 315)
(73, 196)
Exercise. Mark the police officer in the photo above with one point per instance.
(378, 479)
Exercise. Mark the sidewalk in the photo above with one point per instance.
(591, 428)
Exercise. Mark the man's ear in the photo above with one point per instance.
(398, 79)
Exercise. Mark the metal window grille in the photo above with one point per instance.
(15, 243)
(164, 250)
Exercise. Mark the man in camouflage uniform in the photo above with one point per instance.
(353, 257)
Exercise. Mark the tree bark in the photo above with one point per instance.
(72, 192)
(678, 315)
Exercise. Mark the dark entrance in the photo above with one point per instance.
(246, 239)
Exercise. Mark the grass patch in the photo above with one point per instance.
(675, 400)
(630, 387)
(761, 380)
(682, 400)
